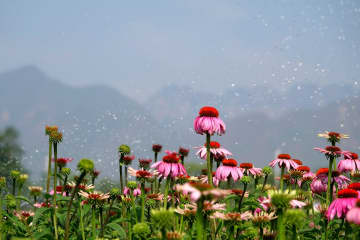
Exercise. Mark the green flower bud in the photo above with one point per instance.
(281, 200)
(55, 137)
(132, 185)
(85, 165)
(22, 178)
(124, 149)
(114, 192)
(295, 217)
(151, 203)
(10, 201)
(66, 171)
(15, 174)
(163, 218)
(267, 170)
(245, 180)
(141, 230)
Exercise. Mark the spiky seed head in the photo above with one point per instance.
(15, 174)
(141, 230)
(245, 179)
(295, 217)
(267, 170)
(49, 129)
(85, 165)
(124, 149)
(55, 137)
(163, 218)
(66, 171)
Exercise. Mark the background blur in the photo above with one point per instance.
(137, 73)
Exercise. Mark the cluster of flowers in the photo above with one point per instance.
(227, 200)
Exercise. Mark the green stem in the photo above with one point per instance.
(93, 224)
(121, 176)
(67, 222)
(54, 196)
(49, 168)
(264, 183)
(200, 221)
(182, 159)
(142, 219)
(166, 193)
(209, 172)
(14, 186)
(294, 232)
(282, 178)
(329, 190)
(242, 196)
(101, 222)
(81, 222)
(155, 183)
(280, 227)
(126, 175)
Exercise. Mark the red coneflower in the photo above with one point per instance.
(128, 159)
(284, 160)
(156, 148)
(303, 168)
(298, 162)
(144, 163)
(170, 165)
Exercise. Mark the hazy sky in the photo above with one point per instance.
(140, 46)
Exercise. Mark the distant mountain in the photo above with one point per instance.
(261, 122)
(95, 120)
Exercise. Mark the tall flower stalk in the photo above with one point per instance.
(84, 166)
(55, 138)
(48, 131)
(123, 150)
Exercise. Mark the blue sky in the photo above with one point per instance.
(140, 46)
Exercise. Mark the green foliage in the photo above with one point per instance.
(141, 230)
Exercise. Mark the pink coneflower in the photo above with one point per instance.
(265, 202)
(41, 205)
(340, 206)
(144, 163)
(197, 190)
(215, 150)
(333, 137)
(297, 204)
(62, 161)
(94, 197)
(170, 166)
(59, 190)
(209, 122)
(248, 168)
(204, 179)
(320, 182)
(284, 160)
(298, 162)
(330, 151)
(233, 216)
(23, 215)
(353, 215)
(128, 159)
(228, 169)
(350, 163)
(136, 191)
(141, 175)
(307, 175)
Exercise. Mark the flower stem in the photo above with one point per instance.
(126, 175)
(294, 232)
(93, 224)
(200, 221)
(101, 222)
(67, 222)
(81, 222)
(329, 189)
(121, 175)
(242, 196)
(49, 168)
(209, 172)
(166, 193)
(280, 226)
(282, 179)
(142, 219)
(154, 184)
(14, 186)
(55, 192)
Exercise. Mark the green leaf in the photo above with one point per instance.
(41, 212)
(120, 231)
(23, 199)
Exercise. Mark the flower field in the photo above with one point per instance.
(157, 199)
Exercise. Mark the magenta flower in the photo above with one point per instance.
(229, 168)
(284, 160)
(353, 216)
(215, 150)
(248, 168)
(350, 163)
(170, 166)
(297, 204)
(209, 122)
(197, 190)
(265, 202)
(136, 192)
(340, 206)
(331, 151)
(320, 182)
